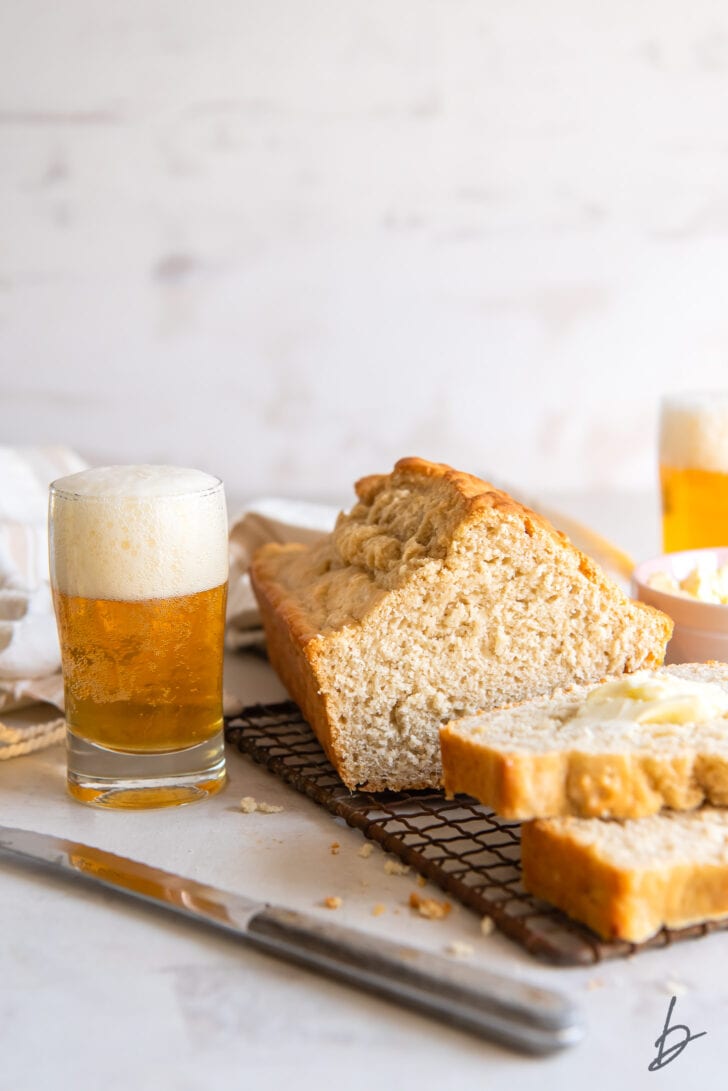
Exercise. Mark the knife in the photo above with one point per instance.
(510, 1012)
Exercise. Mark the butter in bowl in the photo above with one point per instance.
(691, 587)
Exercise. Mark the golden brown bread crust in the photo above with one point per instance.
(610, 785)
(498, 781)
(575, 880)
(618, 902)
(477, 496)
(291, 647)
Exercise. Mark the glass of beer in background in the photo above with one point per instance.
(139, 568)
(694, 470)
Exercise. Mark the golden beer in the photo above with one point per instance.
(694, 471)
(694, 508)
(143, 676)
(139, 576)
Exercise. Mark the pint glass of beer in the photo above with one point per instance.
(139, 566)
(694, 470)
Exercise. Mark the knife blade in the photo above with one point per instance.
(493, 1006)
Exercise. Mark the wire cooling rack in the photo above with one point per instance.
(456, 843)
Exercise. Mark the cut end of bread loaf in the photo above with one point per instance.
(437, 595)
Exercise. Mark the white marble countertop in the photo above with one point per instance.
(98, 988)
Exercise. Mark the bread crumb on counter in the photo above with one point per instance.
(431, 908)
(395, 867)
(334, 848)
(594, 983)
(249, 805)
(459, 949)
(421, 880)
(366, 850)
(333, 902)
(378, 909)
(487, 924)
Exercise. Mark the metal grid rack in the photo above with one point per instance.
(457, 844)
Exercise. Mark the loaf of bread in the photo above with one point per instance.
(435, 596)
(626, 749)
(626, 880)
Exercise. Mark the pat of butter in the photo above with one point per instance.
(707, 586)
(647, 698)
(704, 584)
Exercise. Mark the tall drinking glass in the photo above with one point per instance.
(139, 567)
(694, 470)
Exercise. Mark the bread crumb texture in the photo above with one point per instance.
(249, 805)
(334, 848)
(487, 925)
(431, 908)
(459, 949)
(366, 850)
(395, 867)
(333, 902)
(436, 596)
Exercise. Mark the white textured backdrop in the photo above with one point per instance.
(291, 241)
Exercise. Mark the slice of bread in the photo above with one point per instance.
(554, 756)
(437, 595)
(626, 880)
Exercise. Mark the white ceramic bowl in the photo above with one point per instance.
(701, 628)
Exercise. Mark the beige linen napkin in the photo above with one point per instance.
(29, 654)
(271, 519)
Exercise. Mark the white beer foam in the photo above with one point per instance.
(138, 532)
(694, 432)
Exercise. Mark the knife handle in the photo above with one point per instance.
(503, 1009)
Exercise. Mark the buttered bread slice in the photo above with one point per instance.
(624, 749)
(435, 596)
